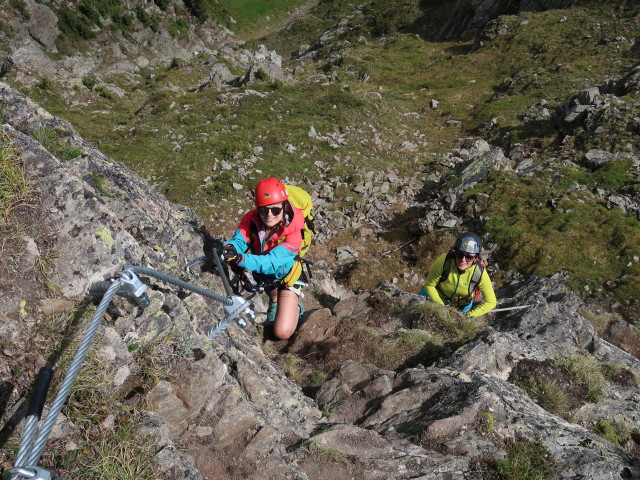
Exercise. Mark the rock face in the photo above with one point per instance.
(31, 37)
(222, 408)
(466, 18)
(222, 400)
(449, 404)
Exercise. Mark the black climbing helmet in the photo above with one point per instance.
(468, 242)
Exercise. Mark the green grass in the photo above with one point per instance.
(403, 349)
(616, 433)
(546, 393)
(21, 7)
(446, 321)
(599, 319)
(14, 184)
(576, 233)
(587, 372)
(526, 460)
(119, 454)
(252, 16)
(90, 398)
(330, 454)
(550, 55)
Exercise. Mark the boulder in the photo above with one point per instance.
(43, 26)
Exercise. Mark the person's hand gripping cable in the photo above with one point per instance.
(230, 255)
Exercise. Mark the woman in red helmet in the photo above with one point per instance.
(267, 242)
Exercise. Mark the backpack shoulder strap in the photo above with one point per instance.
(446, 268)
(477, 274)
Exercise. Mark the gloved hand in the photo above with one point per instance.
(230, 255)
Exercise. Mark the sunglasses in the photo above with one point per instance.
(275, 211)
(469, 256)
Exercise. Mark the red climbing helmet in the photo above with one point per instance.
(270, 191)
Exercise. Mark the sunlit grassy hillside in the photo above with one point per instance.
(374, 83)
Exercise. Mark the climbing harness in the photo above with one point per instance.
(125, 284)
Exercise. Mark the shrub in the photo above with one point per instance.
(6, 29)
(197, 8)
(235, 149)
(388, 17)
(121, 21)
(45, 84)
(179, 28)
(262, 75)
(104, 92)
(143, 17)
(176, 63)
(221, 187)
(89, 82)
(616, 433)
(71, 23)
(91, 13)
(21, 6)
(73, 153)
(162, 4)
(147, 20)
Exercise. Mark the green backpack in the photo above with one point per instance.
(300, 199)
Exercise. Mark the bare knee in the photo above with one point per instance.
(282, 333)
(287, 315)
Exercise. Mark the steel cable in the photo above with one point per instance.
(72, 372)
(181, 283)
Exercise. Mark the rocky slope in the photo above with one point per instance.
(31, 34)
(222, 408)
(401, 402)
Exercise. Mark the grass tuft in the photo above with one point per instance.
(330, 454)
(452, 324)
(587, 372)
(526, 459)
(14, 184)
(120, 454)
(617, 433)
(90, 397)
(600, 320)
(45, 264)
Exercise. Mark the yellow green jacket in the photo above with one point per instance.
(454, 290)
